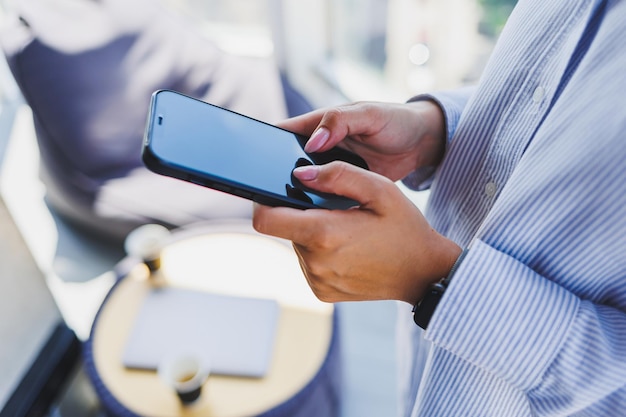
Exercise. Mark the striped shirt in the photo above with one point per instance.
(534, 183)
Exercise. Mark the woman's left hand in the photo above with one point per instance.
(383, 249)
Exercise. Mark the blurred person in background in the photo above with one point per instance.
(87, 70)
(517, 270)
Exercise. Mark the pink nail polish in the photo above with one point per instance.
(306, 173)
(317, 140)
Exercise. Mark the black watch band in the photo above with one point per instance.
(425, 308)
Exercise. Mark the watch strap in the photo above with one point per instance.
(424, 309)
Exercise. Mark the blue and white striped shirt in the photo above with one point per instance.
(534, 183)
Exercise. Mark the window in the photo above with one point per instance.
(339, 50)
(405, 46)
(238, 26)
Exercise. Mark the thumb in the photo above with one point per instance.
(369, 189)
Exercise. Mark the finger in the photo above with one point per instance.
(369, 189)
(304, 124)
(339, 123)
(288, 223)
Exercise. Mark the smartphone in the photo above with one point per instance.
(195, 141)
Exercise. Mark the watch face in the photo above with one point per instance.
(424, 309)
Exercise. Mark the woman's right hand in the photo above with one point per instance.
(394, 139)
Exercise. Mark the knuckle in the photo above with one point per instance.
(258, 223)
(337, 121)
(386, 187)
(364, 106)
(335, 170)
(317, 278)
(367, 108)
(316, 287)
(333, 116)
(323, 294)
(324, 239)
(325, 297)
(316, 271)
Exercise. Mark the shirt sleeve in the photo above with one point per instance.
(563, 352)
(452, 103)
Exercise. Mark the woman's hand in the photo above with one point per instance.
(384, 249)
(394, 139)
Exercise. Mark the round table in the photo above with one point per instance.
(230, 258)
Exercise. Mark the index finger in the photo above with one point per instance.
(287, 223)
(355, 121)
(304, 124)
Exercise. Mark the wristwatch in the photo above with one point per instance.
(424, 309)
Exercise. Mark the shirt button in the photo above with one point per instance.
(490, 189)
(539, 94)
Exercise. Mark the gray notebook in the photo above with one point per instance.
(28, 312)
(234, 334)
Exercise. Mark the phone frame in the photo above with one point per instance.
(158, 165)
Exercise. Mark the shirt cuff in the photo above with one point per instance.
(452, 104)
(501, 316)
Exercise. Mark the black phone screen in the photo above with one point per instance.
(218, 148)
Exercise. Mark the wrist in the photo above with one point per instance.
(449, 260)
(424, 309)
(432, 266)
(432, 132)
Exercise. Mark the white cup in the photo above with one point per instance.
(186, 373)
(146, 243)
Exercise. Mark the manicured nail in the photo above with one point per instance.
(317, 140)
(306, 173)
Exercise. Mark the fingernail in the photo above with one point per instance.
(317, 140)
(306, 173)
